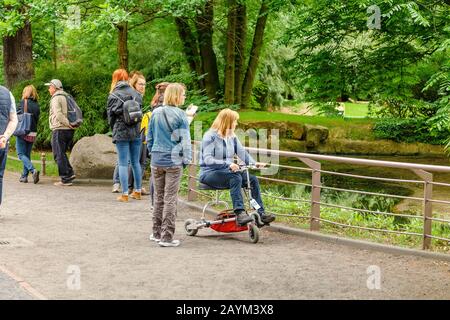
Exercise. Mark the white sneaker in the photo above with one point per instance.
(174, 243)
(152, 238)
(116, 187)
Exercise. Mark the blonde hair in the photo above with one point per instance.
(30, 92)
(135, 78)
(223, 123)
(173, 94)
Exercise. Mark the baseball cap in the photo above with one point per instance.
(56, 83)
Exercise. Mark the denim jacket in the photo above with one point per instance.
(163, 144)
(218, 153)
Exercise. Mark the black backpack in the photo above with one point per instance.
(74, 113)
(132, 113)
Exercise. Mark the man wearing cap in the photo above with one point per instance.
(8, 123)
(62, 132)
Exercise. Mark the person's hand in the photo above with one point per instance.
(191, 110)
(234, 167)
(3, 141)
(260, 165)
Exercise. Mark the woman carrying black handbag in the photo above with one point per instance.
(24, 144)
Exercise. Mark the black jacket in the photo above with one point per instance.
(34, 109)
(120, 130)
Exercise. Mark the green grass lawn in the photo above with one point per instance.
(356, 109)
(251, 115)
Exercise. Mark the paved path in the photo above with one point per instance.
(78, 243)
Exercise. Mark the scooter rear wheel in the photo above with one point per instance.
(253, 233)
(190, 232)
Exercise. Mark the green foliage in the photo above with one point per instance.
(408, 130)
(337, 56)
(402, 108)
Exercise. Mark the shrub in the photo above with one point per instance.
(408, 130)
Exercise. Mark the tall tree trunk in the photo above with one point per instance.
(18, 56)
(254, 54)
(55, 49)
(122, 45)
(204, 24)
(190, 45)
(241, 39)
(230, 54)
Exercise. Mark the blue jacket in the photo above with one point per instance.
(5, 107)
(163, 143)
(218, 153)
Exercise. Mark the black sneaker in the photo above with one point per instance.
(23, 179)
(71, 178)
(268, 218)
(242, 218)
(35, 176)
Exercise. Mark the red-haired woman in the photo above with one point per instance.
(126, 137)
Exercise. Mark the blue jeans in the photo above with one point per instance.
(129, 151)
(116, 178)
(23, 149)
(3, 157)
(234, 181)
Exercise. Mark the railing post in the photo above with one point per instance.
(315, 193)
(427, 207)
(192, 171)
(43, 163)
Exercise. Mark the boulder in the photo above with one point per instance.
(315, 135)
(94, 157)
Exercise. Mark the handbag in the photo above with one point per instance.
(24, 122)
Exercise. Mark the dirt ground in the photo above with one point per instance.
(82, 228)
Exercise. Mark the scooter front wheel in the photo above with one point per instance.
(189, 231)
(253, 233)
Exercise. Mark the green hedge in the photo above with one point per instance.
(408, 130)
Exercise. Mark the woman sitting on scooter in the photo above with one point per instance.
(217, 169)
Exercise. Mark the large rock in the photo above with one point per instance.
(94, 157)
(315, 135)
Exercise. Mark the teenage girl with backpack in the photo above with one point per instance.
(121, 109)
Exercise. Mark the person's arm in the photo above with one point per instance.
(243, 154)
(186, 140)
(38, 113)
(115, 105)
(57, 105)
(12, 124)
(150, 134)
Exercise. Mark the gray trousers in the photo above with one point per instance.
(166, 183)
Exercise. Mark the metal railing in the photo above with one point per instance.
(43, 162)
(314, 166)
